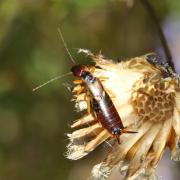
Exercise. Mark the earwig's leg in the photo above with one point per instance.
(88, 118)
(78, 89)
(103, 78)
(98, 121)
(111, 94)
(91, 69)
(88, 98)
(80, 97)
(98, 140)
(77, 81)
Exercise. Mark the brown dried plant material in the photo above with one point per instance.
(147, 97)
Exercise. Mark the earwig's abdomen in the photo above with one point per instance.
(107, 114)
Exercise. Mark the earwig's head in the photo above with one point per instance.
(77, 70)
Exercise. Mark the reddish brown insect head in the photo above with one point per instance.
(77, 70)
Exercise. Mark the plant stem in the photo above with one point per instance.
(147, 5)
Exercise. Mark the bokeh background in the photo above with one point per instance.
(33, 124)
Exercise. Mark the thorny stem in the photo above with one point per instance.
(147, 5)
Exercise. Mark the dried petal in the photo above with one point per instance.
(85, 120)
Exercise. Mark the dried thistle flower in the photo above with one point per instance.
(147, 97)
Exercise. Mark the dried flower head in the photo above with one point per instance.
(146, 95)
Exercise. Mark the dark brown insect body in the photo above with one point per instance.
(108, 116)
(102, 104)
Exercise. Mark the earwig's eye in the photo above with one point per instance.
(77, 70)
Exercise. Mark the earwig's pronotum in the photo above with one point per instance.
(101, 103)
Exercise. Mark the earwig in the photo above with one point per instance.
(102, 104)
(104, 109)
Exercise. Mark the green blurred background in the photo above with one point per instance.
(33, 124)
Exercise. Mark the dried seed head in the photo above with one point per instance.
(152, 100)
(147, 101)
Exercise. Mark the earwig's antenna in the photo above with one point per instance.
(51, 80)
(58, 77)
(65, 46)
